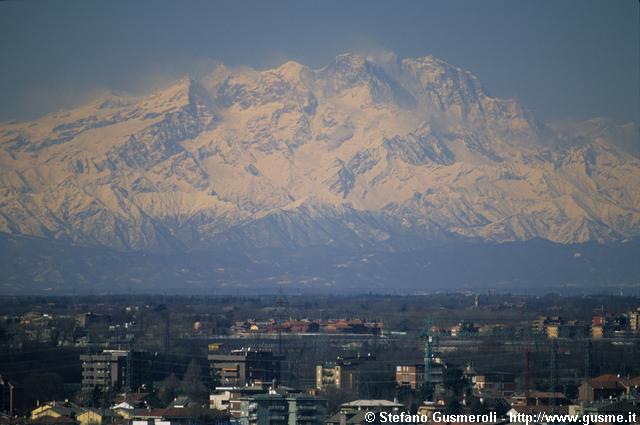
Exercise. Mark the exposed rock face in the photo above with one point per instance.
(354, 154)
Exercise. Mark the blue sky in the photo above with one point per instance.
(563, 59)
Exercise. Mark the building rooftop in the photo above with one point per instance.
(51, 420)
(371, 404)
(610, 381)
(175, 413)
(541, 394)
(354, 418)
(561, 410)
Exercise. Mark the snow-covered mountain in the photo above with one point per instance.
(359, 153)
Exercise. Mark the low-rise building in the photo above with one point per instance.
(371, 405)
(55, 409)
(464, 327)
(623, 407)
(536, 410)
(555, 327)
(137, 400)
(497, 384)
(540, 398)
(490, 383)
(50, 420)
(606, 387)
(602, 326)
(179, 416)
(88, 416)
(428, 408)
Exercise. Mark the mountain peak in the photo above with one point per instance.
(291, 67)
(347, 64)
(352, 59)
(293, 71)
(388, 149)
(183, 92)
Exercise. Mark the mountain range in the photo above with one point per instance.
(381, 154)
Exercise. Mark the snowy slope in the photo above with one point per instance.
(360, 152)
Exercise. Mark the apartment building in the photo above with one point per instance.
(276, 408)
(244, 367)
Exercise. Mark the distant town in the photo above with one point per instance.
(292, 359)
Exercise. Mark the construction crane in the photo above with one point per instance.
(281, 310)
(553, 381)
(428, 338)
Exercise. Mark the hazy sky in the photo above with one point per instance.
(560, 58)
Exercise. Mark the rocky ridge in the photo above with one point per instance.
(362, 152)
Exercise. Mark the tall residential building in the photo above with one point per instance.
(343, 373)
(283, 409)
(109, 370)
(329, 375)
(244, 367)
(634, 320)
(230, 399)
(106, 370)
(412, 376)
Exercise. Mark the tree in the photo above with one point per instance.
(413, 409)
(453, 407)
(95, 397)
(453, 380)
(43, 387)
(192, 385)
(375, 381)
(335, 397)
(425, 392)
(478, 408)
(169, 388)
